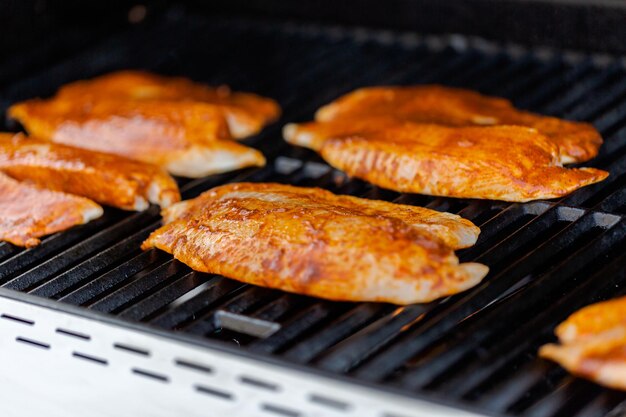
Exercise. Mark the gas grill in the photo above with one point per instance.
(91, 325)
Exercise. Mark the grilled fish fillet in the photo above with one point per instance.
(310, 241)
(27, 212)
(245, 113)
(510, 163)
(105, 178)
(189, 139)
(593, 343)
(435, 104)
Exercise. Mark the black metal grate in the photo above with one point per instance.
(478, 348)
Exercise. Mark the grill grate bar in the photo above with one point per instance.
(557, 85)
(423, 66)
(538, 75)
(507, 74)
(354, 349)
(481, 69)
(592, 196)
(141, 286)
(523, 84)
(51, 245)
(104, 283)
(149, 306)
(597, 103)
(564, 399)
(84, 270)
(301, 323)
(80, 251)
(452, 66)
(349, 323)
(218, 289)
(612, 119)
(245, 301)
(582, 89)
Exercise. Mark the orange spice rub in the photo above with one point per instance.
(578, 142)
(184, 127)
(245, 113)
(510, 163)
(310, 241)
(186, 139)
(106, 178)
(28, 212)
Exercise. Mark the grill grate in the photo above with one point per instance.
(547, 259)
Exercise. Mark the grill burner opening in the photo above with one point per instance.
(478, 348)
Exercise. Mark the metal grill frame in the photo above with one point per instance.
(591, 213)
(144, 371)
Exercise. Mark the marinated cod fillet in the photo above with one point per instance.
(105, 178)
(434, 104)
(593, 343)
(510, 163)
(245, 113)
(310, 241)
(189, 139)
(27, 212)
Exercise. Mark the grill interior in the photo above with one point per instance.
(478, 348)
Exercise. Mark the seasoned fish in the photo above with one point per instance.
(593, 343)
(245, 113)
(189, 139)
(310, 241)
(27, 212)
(510, 163)
(435, 104)
(105, 178)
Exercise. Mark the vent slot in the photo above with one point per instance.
(17, 319)
(72, 333)
(32, 342)
(214, 392)
(90, 358)
(131, 349)
(150, 374)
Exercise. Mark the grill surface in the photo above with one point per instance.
(478, 348)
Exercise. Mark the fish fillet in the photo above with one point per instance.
(593, 343)
(27, 212)
(245, 113)
(578, 142)
(510, 163)
(105, 178)
(189, 139)
(310, 241)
